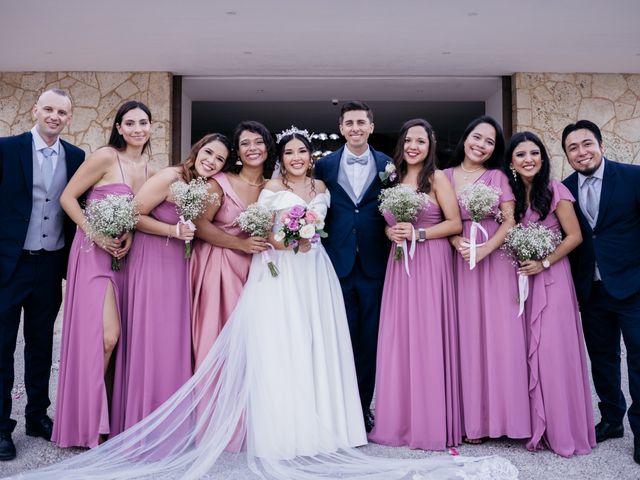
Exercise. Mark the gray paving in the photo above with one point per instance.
(611, 460)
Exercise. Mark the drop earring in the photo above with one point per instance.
(513, 172)
(239, 162)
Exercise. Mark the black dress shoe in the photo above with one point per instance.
(40, 428)
(7, 448)
(606, 430)
(368, 421)
(636, 449)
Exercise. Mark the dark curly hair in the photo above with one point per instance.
(495, 160)
(429, 164)
(260, 129)
(540, 195)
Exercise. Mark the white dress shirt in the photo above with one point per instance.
(39, 144)
(357, 173)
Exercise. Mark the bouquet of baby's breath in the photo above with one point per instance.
(191, 200)
(111, 216)
(257, 221)
(480, 200)
(531, 242)
(404, 203)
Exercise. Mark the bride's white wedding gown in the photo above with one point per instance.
(281, 380)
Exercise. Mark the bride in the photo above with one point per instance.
(280, 378)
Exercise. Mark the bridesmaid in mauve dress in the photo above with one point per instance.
(561, 410)
(417, 394)
(94, 292)
(493, 361)
(156, 358)
(220, 263)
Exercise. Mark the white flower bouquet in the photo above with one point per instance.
(300, 223)
(191, 200)
(111, 216)
(530, 242)
(480, 200)
(257, 221)
(403, 202)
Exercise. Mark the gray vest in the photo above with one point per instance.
(47, 217)
(343, 179)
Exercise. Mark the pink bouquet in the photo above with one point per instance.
(300, 223)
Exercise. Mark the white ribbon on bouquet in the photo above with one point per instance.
(189, 224)
(473, 239)
(523, 291)
(268, 262)
(408, 252)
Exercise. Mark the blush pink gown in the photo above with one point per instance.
(217, 276)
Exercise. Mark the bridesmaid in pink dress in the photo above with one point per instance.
(156, 358)
(220, 263)
(561, 410)
(417, 395)
(493, 362)
(94, 292)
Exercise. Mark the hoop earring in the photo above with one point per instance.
(514, 174)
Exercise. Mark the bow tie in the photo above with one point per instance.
(362, 160)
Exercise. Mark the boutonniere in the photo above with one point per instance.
(389, 174)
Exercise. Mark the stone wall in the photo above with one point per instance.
(545, 103)
(96, 97)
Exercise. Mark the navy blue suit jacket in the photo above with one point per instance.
(614, 240)
(354, 228)
(16, 187)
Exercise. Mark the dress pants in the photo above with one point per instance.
(36, 289)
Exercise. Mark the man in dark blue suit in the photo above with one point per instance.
(356, 244)
(606, 272)
(35, 236)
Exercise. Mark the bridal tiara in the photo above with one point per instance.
(293, 130)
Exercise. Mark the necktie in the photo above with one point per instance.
(47, 166)
(362, 160)
(592, 199)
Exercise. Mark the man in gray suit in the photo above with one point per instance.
(35, 236)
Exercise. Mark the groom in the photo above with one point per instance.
(356, 244)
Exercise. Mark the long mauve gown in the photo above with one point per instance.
(493, 358)
(417, 394)
(217, 276)
(561, 410)
(82, 408)
(156, 337)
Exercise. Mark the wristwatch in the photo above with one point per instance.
(422, 234)
(545, 263)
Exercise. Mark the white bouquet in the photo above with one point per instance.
(531, 242)
(480, 200)
(257, 221)
(403, 202)
(111, 216)
(191, 200)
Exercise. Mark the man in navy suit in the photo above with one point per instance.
(35, 236)
(356, 244)
(606, 272)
